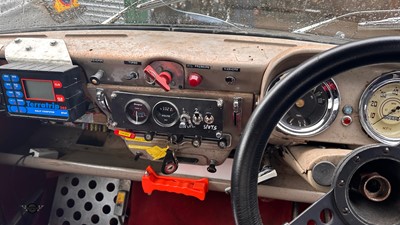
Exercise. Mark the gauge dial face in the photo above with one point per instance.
(137, 111)
(380, 110)
(165, 114)
(313, 112)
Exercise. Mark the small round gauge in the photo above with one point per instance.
(380, 109)
(137, 111)
(313, 112)
(165, 114)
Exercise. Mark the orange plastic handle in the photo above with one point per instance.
(190, 187)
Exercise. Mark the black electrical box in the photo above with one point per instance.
(43, 91)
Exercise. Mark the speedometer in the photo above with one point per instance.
(380, 109)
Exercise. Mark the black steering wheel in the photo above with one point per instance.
(280, 98)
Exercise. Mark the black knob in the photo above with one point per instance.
(175, 139)
(211, 168)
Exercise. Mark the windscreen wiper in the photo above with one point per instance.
(192, 15)
(156, 4)
(115, 17)
(392, 23)
(328, 21)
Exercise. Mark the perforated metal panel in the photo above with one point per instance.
(81, 199)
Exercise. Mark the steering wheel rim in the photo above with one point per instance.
(280, 98)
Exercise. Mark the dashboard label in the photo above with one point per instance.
(210, 127)
(193, 66)
(231, 69)
(42, 105)
(47, 112)
(97, 61)
(136, 63)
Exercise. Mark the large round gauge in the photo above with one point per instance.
(313, 112)
(380, 109)
(165, 114)
(137, 111)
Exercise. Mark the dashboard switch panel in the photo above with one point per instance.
(167, 115)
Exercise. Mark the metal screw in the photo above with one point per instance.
(222, 144)
(386, 150)
(53, 43)
(113, 95)
(341, 183)
(357, 159)
(220, 103)
(114, 124)
(345, 210)
(196, 143)
(218, 134)
(28, 48)
(17, 41)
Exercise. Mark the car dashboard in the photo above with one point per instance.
(179, 101)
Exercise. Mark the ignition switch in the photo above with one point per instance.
(163, 79)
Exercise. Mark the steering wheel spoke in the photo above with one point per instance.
(322, 212)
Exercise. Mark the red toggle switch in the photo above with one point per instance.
(191, 187)
(194, 79)
(163, 79)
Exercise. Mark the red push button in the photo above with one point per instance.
(60, 98)
(57, 84)
(194, 79)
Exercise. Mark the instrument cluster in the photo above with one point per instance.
(378, 109)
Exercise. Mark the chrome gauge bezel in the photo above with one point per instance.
(140, 101)
(323, 124)
(374, 86)
(161, 124)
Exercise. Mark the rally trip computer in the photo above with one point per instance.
(43, 91)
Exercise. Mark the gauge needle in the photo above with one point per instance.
(137, 117)
(391, 111)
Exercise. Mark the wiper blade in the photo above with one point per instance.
(156, 4)
(115, 17)
(392, 23)
(191, 15)
(328, 21)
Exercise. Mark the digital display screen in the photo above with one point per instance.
(39, 90)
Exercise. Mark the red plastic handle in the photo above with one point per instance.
(196, 188)
(163, 79)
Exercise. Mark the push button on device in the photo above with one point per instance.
(6, 77)
(22, 110)
(12, 101)
(60, 98)
(14, 109)
(20, 102)
(17, 86)
(19, 94)
(10, 94)
(57, 84)
(8, 86)
(14, 78)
